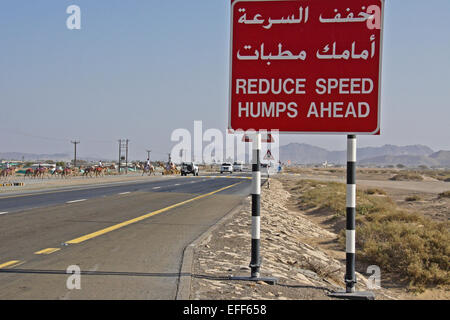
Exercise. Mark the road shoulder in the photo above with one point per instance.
(187, 264)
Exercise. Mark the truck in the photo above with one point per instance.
(188, 168)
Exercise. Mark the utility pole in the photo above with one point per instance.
(120, 152)
(123, 148)
(148, 154)
(75, 152)
(126, 157)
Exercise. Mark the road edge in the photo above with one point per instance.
(184, 282)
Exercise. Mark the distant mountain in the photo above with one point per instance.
(412, 155)
(386, 150)
(303, 153)
(45, 156)
(442, 157)
(407, 160)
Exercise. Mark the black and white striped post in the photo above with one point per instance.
(256, 206)
(255, 262)
(350, 234)
(350, 278)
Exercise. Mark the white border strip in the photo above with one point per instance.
(350, 241)
(307, 132)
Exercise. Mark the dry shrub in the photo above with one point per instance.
(322, 195)
(442, 175)
(407, 244)
(294, 169)
(375, 191)
(331, 196)
(407, 176)
(415, 197)
(410, 246)
(445, 194)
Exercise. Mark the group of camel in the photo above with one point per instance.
(167, 168)
(64, 172)
(90, 171)
(42, 172)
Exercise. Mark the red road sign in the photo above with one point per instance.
(306, 66)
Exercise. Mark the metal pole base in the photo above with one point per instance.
(357, 295)
(267, 280)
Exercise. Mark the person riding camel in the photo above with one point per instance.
(100, 164)
(147, 164)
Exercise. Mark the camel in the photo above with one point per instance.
(74, 171)
(169, 169)
(145, 169)
(58, 172)
(66, 172)
(88, 171)
(9, 172)
(99, 171)
(29, 173)
(40, 172)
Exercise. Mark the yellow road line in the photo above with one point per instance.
(9, 264)
(145, 216)
(47, 251)
(230, 177)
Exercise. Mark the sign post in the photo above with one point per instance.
(255, 262)
(309, 66)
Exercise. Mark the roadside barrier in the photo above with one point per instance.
(12, 184)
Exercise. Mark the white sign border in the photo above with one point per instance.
(230, 129)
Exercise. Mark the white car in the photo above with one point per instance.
(238, 166)
(226, 167)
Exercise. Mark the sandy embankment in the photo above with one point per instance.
(290, 251)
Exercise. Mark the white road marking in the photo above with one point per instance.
(176, 184)
(79, 200)
(3, 212)
(156, 188)
(125, 192)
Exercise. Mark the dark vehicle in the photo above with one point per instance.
(188, 168)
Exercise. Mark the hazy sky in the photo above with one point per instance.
(140, 69)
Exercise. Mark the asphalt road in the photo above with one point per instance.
(127, 239)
